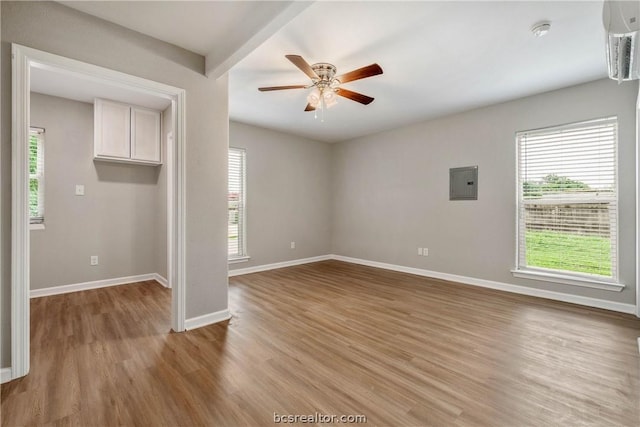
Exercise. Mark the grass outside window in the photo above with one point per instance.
(569, 252)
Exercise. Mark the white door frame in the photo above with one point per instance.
(23, 58)
(638, 207)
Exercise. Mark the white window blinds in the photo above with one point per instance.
(237, 197)
(567, 197)
(36, 175)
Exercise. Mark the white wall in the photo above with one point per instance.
(391, 189)
(63, 31)
(288, 195)
(117, 219)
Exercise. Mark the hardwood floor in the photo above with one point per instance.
(331, 338)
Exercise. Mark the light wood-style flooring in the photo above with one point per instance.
(330, 338)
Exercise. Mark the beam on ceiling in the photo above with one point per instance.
(216, 70)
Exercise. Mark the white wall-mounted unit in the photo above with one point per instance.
(126, 133)
(622, 22)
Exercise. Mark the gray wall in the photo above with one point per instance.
(288, 195)
(391, 189)
(119, 217)
(73, 34)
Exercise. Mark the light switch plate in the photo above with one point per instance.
(79, 190)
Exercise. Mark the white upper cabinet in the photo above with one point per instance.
(145, 135)
(112, 129)
(126, 133)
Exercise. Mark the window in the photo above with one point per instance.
(237, 189)
(36, 175)
(567, 201)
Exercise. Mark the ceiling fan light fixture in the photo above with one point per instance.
(314, 97)
(329, 97)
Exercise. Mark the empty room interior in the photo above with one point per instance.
(248, 213)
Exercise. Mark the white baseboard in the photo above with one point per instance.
(65, 289)
(265, 267)
(507, 287)
(517, 289)
(162, 280)
(207, 319)
(5, 375)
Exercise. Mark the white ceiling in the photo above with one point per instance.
(198, 26)
(71, 86)
(438, 58)
(214, 29)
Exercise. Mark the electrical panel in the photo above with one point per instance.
(463, 183)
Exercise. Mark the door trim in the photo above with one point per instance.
(638, 206)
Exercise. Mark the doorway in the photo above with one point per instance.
(24, 61)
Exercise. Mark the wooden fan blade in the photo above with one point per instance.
(309, 108)
(360, 73)
(299, 62)
(354, 96)
(266, 89)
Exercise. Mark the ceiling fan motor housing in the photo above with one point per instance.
(325, 72)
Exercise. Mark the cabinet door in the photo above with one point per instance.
(113, 129)
(145, 135)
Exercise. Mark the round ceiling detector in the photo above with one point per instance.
(541, 28)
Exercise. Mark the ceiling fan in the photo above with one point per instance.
(326, 84)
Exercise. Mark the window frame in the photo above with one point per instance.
(37, 222)
(567, 277)
(242, 254)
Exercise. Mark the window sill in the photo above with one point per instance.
(36, 226)
(584, 282)
(239, 259)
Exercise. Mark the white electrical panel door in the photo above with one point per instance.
(112, 129)
(145, 135)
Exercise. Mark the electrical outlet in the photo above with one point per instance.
(419, 251)
(94, 259)
(425, 251)
(79, 190)
(293, 245)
